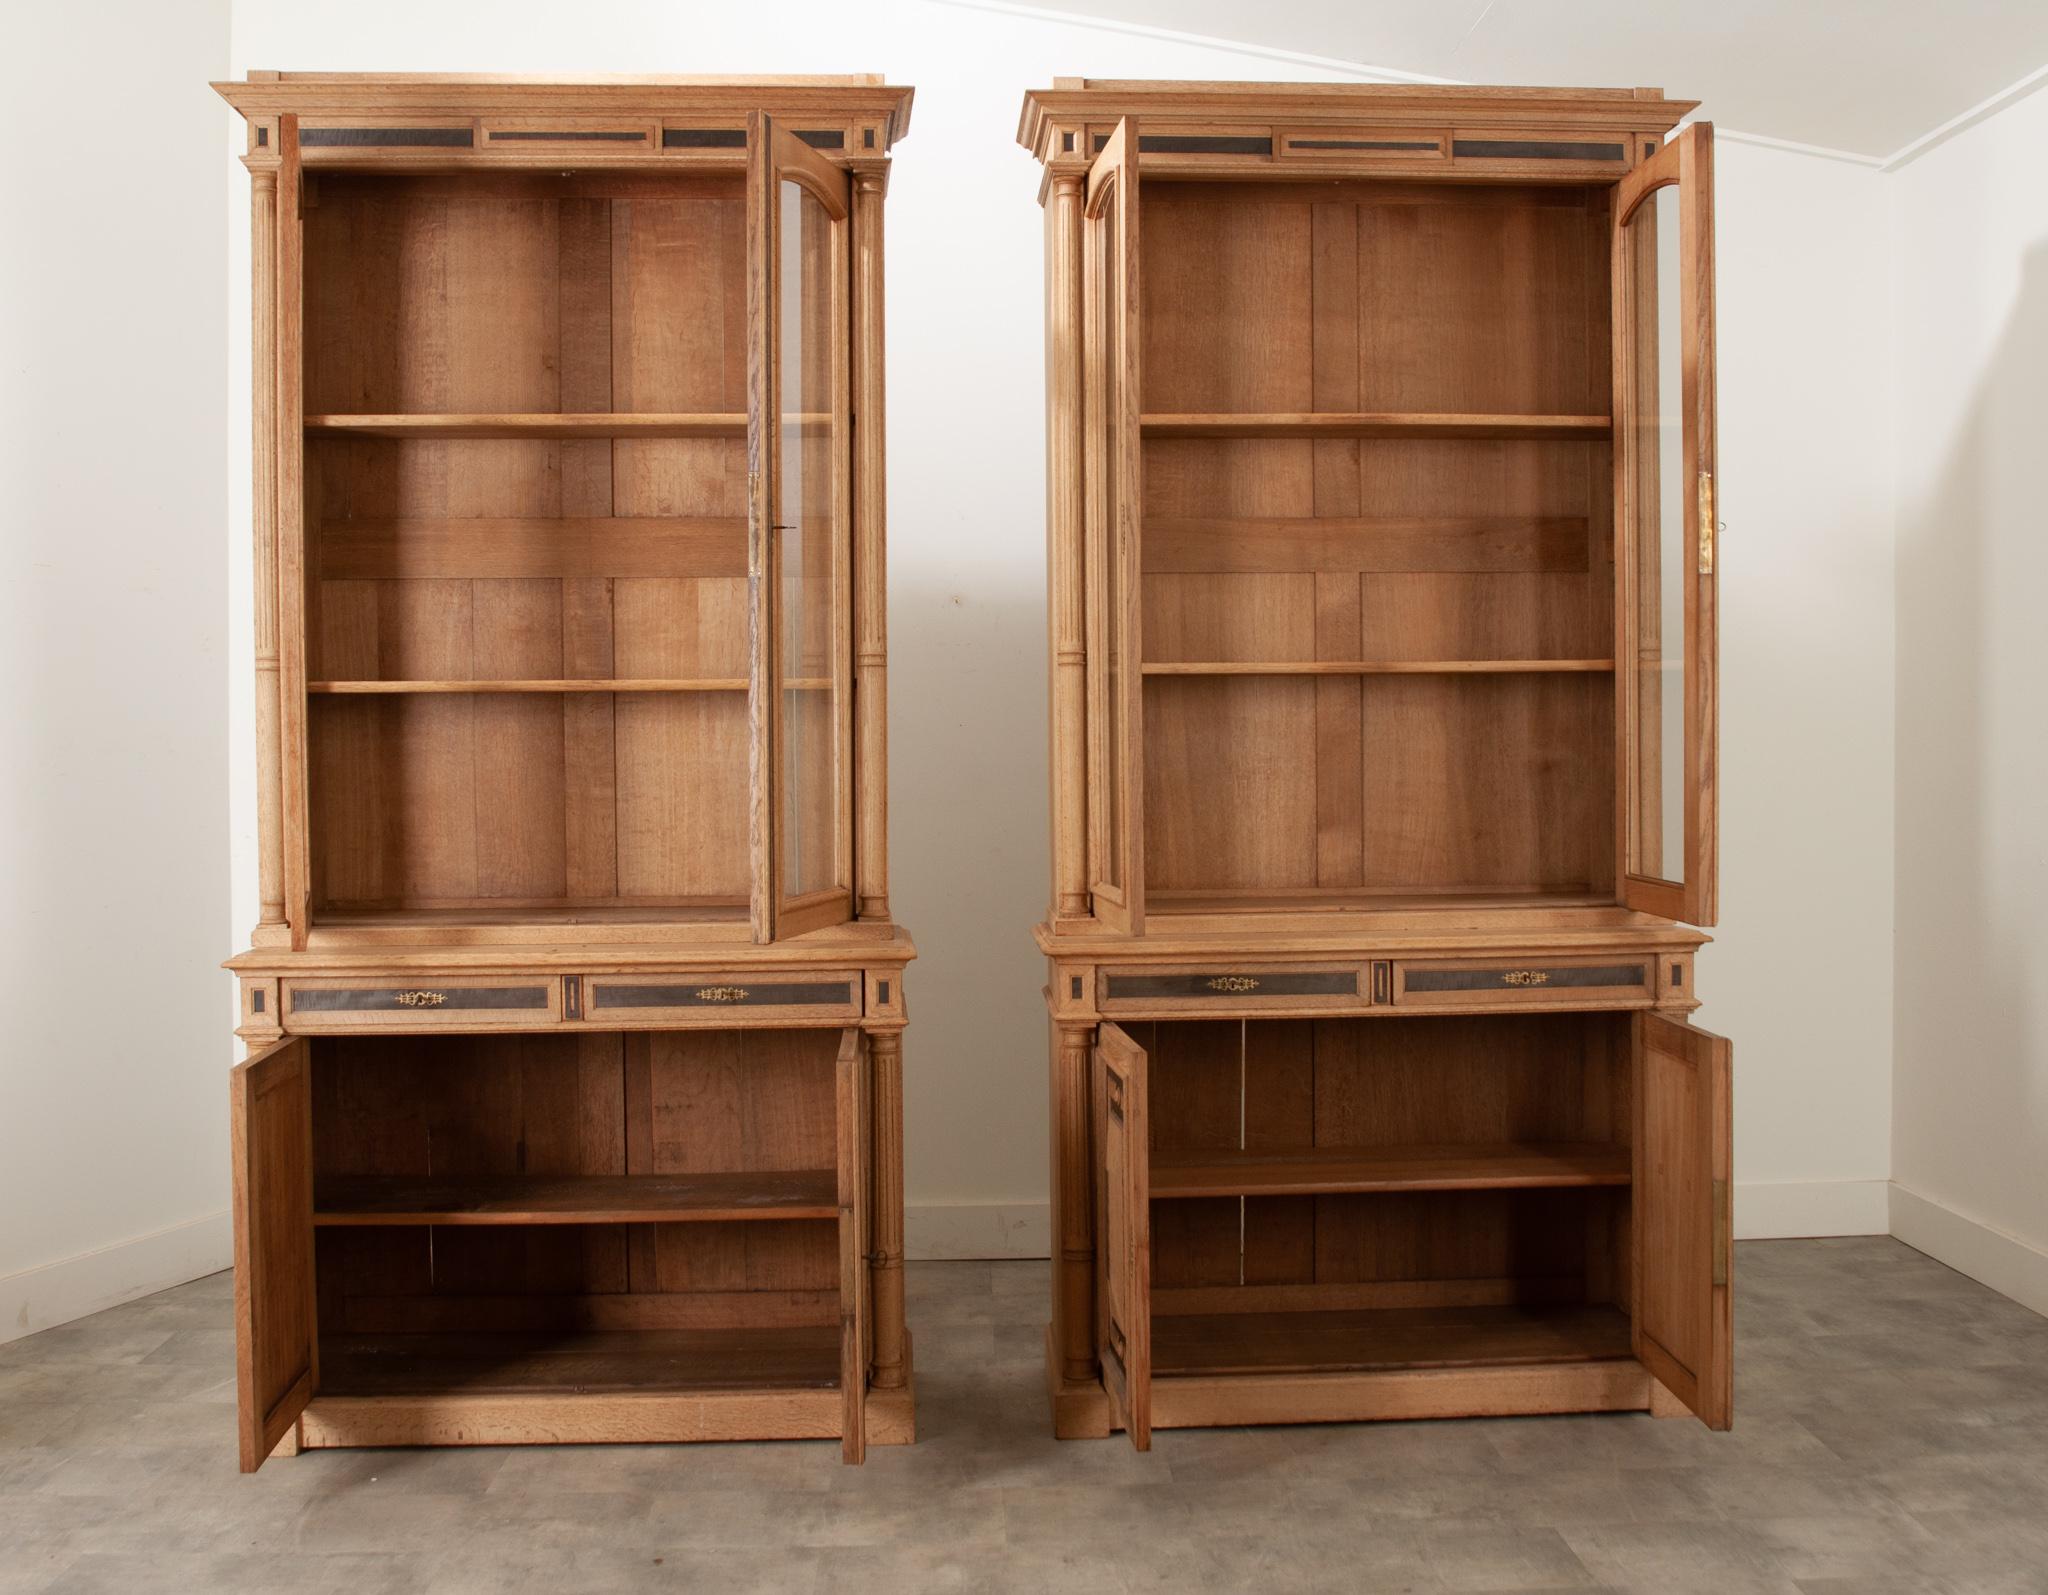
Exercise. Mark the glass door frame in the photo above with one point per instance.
(777, 157)
(1685, 162)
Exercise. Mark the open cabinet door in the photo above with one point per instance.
(276, 1351)
(1665, 509)
(855, 1138)
(800, 542)
(1684, 1322)
(1126, 1205)
(1112, 466)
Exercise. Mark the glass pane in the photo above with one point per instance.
(1109, 867)
(1659, 521)
(808, 521)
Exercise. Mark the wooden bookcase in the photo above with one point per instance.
(1382, 542)
(573, 1103)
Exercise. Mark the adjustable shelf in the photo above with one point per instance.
(1378, 667)
(1378, 424)
(680, 684)
(1386, 1338)
(482, 1199)
(605, 1361)
(593, 425)
(1523, 1166)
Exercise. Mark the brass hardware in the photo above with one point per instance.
(1526, 977)
(721, 993)
(1706, 523)
(1232, 983)
(1720, 1241)
(420, 999)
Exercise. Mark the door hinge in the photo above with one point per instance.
(1720, 1242)
(1707, 523)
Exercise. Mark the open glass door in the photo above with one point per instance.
(1125, 1202)
(799, 434)
(1684, 1314)
(276, 1352)
(1665, 509)
(1112, 466)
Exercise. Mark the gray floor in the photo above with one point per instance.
(1891, 1434)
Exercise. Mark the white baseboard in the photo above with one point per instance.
(1795, 1209)
(953, 1231)
(55, 1293)
(1992, 1256)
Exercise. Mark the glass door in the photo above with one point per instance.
(1665, 506)
(799, 431)
(1112, 468)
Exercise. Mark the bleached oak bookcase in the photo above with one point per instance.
(573, 1102)
(1382, 543)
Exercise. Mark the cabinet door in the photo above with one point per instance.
(1665, 509)
(855, 1141)
(1125, 1202)
(276, 1358)
(1112, 466)
(1684, 1321)
(799, 436)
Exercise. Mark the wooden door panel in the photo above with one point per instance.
(276, 1349)
(854, 1134)
(1112, 469)
(1667, 766)
(1126, 1312)
(1684, 1326)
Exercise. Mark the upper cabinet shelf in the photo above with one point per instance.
(528, 426)
(1378, 424)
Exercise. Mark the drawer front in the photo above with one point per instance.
(1621, 981)
(720, 998)
(466, 1002)
(1235, 989)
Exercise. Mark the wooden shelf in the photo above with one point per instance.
(651, 1360)
(1526, 1166)
(575, 1199)
(423, 688)
(1379, 667)
(1377, 424)
(1384, 1339)
(710, 425)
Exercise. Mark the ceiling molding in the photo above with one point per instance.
(1933, 139)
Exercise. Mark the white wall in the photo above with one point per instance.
(113, 753)
(1970, 1146)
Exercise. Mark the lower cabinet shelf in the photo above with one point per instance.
(601, 1362)
(575, 1198)
(1328, 1171)
(1385, 1338)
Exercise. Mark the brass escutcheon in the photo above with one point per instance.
(721, 993)
(420, 999)
(1233, 983)
(1525, 977)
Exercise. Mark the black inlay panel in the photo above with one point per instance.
(720, 994)
(1497, 979)
(1428, 144)
(823, 138)
(703, 138)
(262, 137)
(867, 137)
(1196, 144)
(1678, 974)
(1074, 987)
(389, 137)
(1530, 149)
(571, 135)
(384, 999)
(1284, 983)
(882, 992)
(256, 1001)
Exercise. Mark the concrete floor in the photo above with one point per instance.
(1891, 1434)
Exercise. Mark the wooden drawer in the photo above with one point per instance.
(632, 1000)
(465, 1002)
(1618, 981)
(1236, 988)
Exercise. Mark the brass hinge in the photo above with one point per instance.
(1706, 523)
(1720, 1242)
